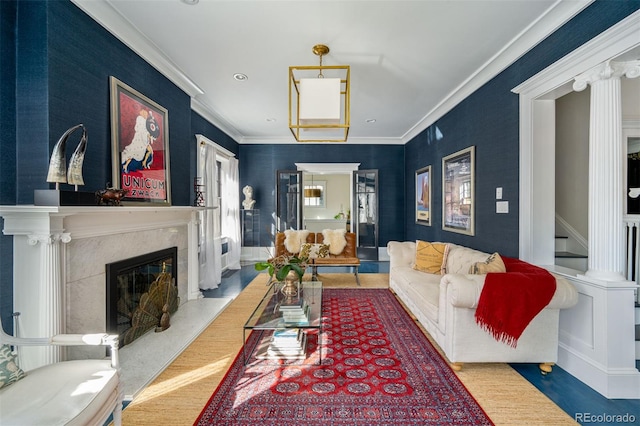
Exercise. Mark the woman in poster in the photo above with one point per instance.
(140, 148)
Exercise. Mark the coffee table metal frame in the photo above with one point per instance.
(268, 317)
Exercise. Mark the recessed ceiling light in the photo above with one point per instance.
(271, 120)
(240, 77)
(370, 120)
(190, 2)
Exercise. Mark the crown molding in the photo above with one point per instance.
(104, 14)
(291, 141)
(215, 119)
(559, 13)
(556, 16)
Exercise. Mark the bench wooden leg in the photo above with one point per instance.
(356, 274)
(314, 273)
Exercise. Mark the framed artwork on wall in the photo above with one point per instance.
(140, 146)
(423, 196)
(458, 186)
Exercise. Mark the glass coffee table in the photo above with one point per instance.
(285, 322)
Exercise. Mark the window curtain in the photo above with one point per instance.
(209, 245)
(231, 213)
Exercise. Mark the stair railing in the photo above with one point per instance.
(632, 231)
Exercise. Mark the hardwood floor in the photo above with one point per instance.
(574, 397)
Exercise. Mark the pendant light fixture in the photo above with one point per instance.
(312, 192)
(319, 105)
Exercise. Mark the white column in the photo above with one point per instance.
(46, 318)
(606, 168)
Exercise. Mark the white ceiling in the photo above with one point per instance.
(411, 61)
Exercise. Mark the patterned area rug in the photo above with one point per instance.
(377, 369)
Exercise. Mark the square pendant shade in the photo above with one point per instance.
(319, 105)
(319, 101)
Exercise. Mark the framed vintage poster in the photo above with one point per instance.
(423, 196)
(140, 146)
(458, 191)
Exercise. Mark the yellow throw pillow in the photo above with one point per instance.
(431, 257)
(493, 263)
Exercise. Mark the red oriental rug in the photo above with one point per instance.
(377, 369)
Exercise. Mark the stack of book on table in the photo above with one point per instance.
(295, 311)
(290, 343)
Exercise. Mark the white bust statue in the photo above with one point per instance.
(248, 198)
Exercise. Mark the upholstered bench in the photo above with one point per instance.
(347, 257)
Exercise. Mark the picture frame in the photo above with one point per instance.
(423, 196)
(458, 189)
(140, 146)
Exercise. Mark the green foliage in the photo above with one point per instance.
(280, 266)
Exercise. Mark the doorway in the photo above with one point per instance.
(357, 213)
(537, 136)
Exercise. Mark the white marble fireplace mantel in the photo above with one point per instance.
(59, 258)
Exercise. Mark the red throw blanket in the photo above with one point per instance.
(509, 301)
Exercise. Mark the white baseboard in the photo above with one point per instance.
(611, 383)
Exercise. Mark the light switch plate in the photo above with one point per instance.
(499, 193)
(502, 207)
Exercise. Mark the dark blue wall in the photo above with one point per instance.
(489, 120)
(56, 63)
(258, 165)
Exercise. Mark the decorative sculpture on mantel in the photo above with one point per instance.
(57, 165)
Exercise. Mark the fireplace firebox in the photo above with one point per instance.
(141, 293)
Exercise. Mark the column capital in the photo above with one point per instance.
(49, 239)
(605, 71)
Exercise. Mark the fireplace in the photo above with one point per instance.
(141, 294)
(59, 266)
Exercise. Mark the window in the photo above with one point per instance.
(315, 201)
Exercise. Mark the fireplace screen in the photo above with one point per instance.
(141, 294)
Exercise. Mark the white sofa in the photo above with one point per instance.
(445, 306)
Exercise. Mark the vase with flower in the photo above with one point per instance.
(287, 269)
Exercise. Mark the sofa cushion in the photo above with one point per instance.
(493, 263)
(460, 259)
(9, 370)
(431, 257)
(294, 239)
(314, 251)
(423, 289)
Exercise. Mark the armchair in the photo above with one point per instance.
(79, 392)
